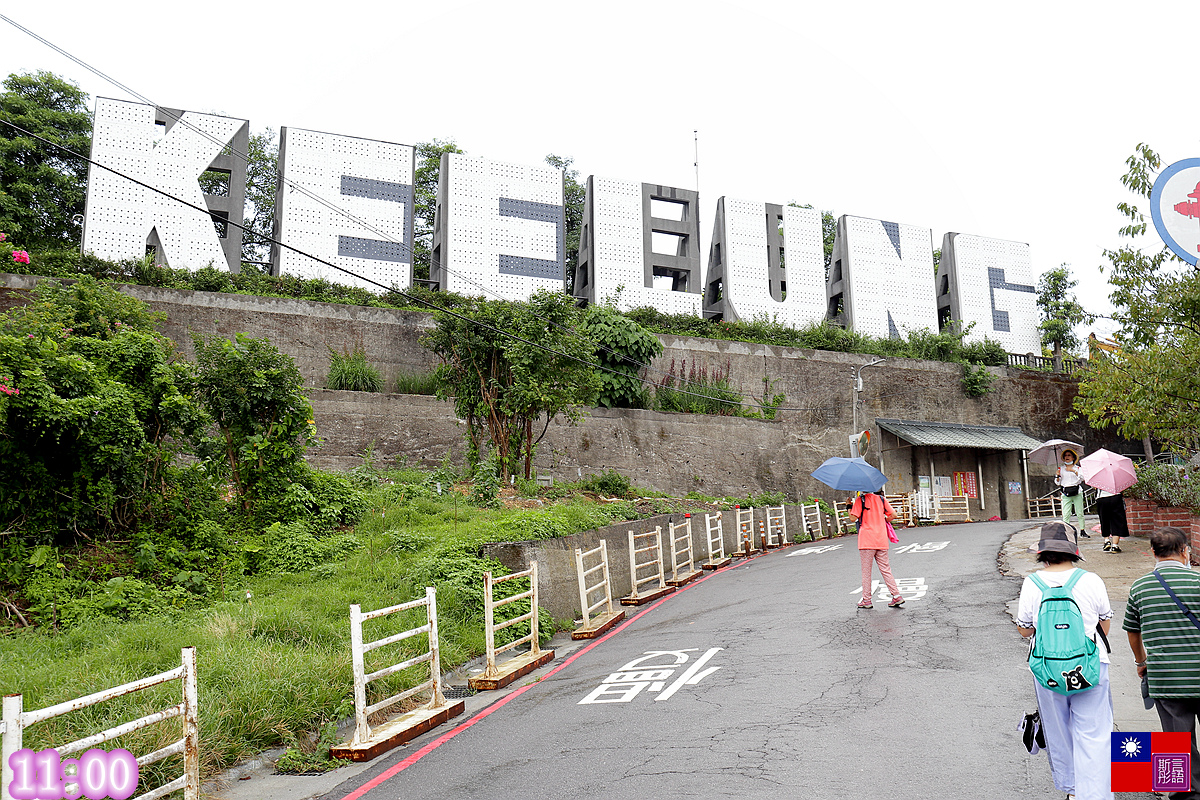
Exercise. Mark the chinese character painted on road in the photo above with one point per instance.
(630, 680)
(910, 589)
(928, 547)
(824, 548)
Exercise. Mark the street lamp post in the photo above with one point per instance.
(858, 387)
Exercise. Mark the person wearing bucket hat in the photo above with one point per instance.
(1071, 481)
(1077, 725)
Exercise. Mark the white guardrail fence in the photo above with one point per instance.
(682, 555)
(744, 531)
(99, 772)
(647, 545)
(716, 542)
(498, 676)
(777, 535)
(369, 742)
(594, 626)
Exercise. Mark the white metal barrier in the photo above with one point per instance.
(951, 509)
(810, 520)
(594, 627)
(920, 504)
(369, 742)
(16, 720)
(901, 504)
(776, 527)
(682, 571)
(716, 543)
(744, 531)
(841, 517)
(640, 544)
(498, 676)
(1045, 506)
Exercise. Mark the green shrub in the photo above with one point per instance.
(976, 380)
(417, 383)
(1167, 484)
(697, 391)
(989, 352)
(352, 372)
(609, 483)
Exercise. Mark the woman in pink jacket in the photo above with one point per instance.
(873, 512)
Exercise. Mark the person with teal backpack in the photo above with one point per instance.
(1065, 610)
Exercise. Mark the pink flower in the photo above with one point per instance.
(3, 237)
(20, 256)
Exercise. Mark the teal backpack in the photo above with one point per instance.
(1063, 657)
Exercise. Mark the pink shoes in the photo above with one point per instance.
(896, 602)
(865, 604)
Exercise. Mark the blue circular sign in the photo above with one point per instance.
(1175, 208)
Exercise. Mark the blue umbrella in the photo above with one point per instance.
(850, 475)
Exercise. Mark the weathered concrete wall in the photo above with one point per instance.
(670, 452)
(558, 584)
(304, 330)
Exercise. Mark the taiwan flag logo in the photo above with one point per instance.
(1151, 762)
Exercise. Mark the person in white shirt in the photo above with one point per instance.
(1071, 481)
(1077, 726)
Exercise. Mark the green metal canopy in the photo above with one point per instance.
(949, 434)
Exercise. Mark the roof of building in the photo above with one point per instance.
(949, 434)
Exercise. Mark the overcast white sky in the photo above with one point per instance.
(1011, 120)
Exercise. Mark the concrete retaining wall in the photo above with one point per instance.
(674, 453)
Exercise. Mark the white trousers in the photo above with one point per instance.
(1078, 738)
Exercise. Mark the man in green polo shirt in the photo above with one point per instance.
(1165, 638)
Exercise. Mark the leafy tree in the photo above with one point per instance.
(623, 347)
(574, 197)
(262, 167)
(502, 385)
(263, 418)
(425, 187)
(1150, 385)
(1061, 312)
(41, 188)
(95, 406)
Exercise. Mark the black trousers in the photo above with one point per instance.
(1178, 714)
(1112, 516)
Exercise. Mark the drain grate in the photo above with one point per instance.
(457, 692)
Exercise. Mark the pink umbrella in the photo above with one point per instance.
(1108, 471)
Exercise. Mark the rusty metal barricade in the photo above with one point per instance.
(951, 509)
(370, 741)
(648, 544)
(777, 535)
(716, 542)
(682, 555)
(1049, 506)
(901, 505)
(16, 720)
(744, 531)
(497, 676)
(810, 520)
(593, 627)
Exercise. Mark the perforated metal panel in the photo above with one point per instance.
(991, 283)
(617, 235)
(500, 226)
(372, 181)
(757, 280)
(888, 277)
(121, 215)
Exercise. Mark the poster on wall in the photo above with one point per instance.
(943, 486)
(923, 483)
(965, 485)
(1014, 487)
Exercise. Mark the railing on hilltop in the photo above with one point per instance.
(1045, 363)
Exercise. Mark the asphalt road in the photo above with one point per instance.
(767, 681)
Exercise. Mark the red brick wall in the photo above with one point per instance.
(1145, 516)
